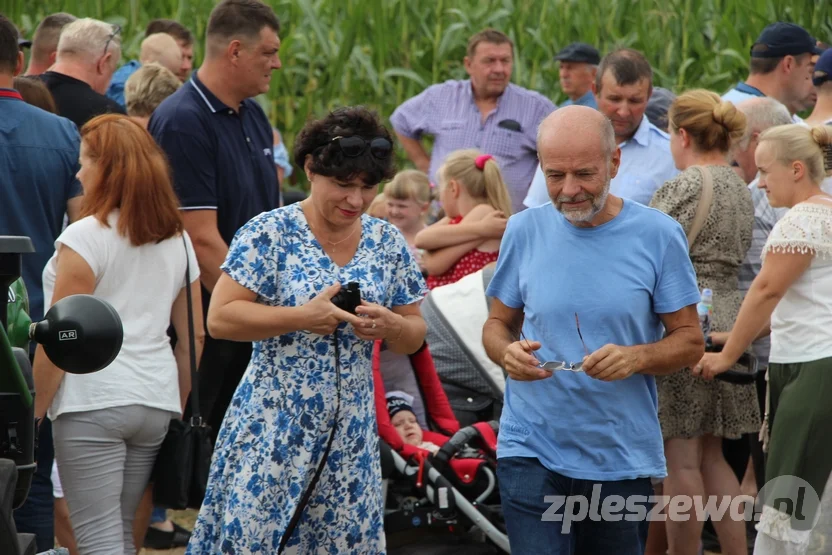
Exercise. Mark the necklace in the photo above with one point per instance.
(334, 244)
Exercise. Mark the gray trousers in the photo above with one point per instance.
(105, 458)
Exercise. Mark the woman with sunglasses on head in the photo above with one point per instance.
(311, 370)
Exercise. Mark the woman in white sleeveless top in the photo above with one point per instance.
(130, 249)
(794, 292)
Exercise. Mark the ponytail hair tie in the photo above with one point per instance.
(481, 160)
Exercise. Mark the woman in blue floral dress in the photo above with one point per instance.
(281, 273)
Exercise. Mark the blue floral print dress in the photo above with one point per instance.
(279, 420)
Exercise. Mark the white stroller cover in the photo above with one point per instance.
(463, 306)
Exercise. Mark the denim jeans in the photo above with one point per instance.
(158, 515)
(37, 514)
(536, 525)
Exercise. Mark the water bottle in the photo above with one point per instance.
(705, 310)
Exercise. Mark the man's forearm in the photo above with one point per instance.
(211, 255)
(682, 348)
(415, 150)
(496, 338)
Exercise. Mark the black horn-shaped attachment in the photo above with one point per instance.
(80, 334)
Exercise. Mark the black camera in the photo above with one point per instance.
(348, 298)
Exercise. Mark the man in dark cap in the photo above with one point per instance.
(822, 113)
(578, 66)
(781, 67)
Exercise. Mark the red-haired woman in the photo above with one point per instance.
(130, 249)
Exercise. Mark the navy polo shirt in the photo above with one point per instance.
(38, 163)
(221, 159)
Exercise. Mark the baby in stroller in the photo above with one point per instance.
(437, 474)
(403, 418)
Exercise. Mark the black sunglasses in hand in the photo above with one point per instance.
(356, 146)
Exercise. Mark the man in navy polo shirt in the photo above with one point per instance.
(38, 163)
(219, 144)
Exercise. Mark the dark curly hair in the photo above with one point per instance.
(315, 139)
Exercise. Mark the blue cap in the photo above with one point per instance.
(823, 68)
(784, 39)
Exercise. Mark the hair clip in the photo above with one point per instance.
(481, 160)
(827, 157)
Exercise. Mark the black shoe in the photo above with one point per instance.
(161, 540)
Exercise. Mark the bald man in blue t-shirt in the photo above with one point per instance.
(623, 271)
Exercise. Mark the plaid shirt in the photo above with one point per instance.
(447, 111)
(764, 219)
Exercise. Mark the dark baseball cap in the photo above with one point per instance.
(24, 43)
(579, 52)
(823, 68)
(784, 39)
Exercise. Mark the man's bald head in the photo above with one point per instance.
(579, 158)
(162, 49)
(580, 123)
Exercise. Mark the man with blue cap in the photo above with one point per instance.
(577, 69)
(822, 80)
(781, 67)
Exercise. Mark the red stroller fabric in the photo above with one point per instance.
(437, 407)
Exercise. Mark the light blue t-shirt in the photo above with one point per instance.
(618, 277)
(646, 164)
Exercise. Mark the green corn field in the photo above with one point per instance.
(380, 52)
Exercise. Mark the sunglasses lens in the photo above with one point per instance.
(352, 146)
(380, 148)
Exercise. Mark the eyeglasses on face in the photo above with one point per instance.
(355, 145)
(553, 365)
(116, 31)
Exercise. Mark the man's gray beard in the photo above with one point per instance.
(589, 214)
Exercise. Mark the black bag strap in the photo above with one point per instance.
(196, 417)
(290, 528)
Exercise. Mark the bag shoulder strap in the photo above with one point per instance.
(704, 206)
(196, 417)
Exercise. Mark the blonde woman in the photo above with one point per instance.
(146, 89)
(793, 295)
(696, 414)
(477, 205)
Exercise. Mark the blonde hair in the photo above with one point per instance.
(486, 183)
(378, 208)
(712, 123)
(147, 88)
(409, 184)
(795, 143)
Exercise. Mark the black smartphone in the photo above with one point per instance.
(511, 125)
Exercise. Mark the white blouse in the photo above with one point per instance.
(801, 325)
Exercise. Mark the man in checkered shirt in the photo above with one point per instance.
(485, 112)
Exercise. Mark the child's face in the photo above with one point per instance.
(407, 426)
(405, 214)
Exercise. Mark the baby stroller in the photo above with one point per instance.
(454, 490)
(455, 314)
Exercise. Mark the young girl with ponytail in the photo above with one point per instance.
(477, 206)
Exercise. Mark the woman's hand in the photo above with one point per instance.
(377, 322)
(711, 365)
(321, 316)
(493, 225)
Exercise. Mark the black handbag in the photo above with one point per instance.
(180, 474)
